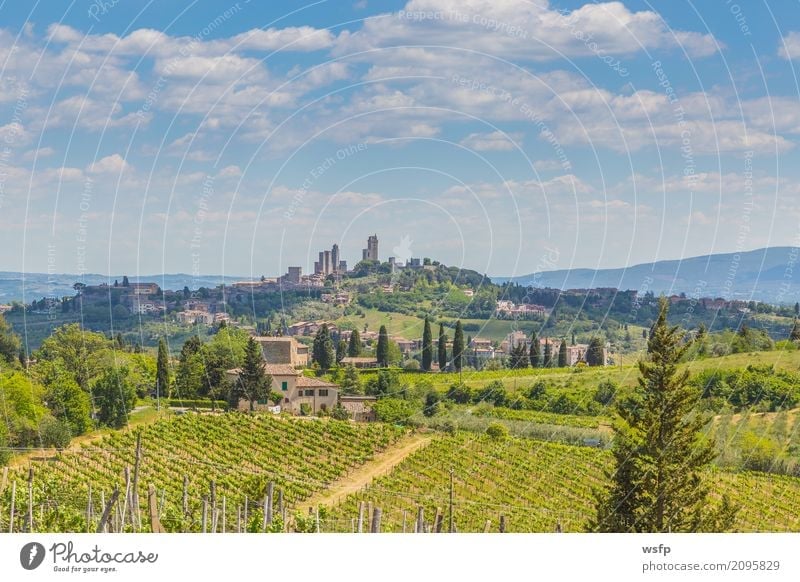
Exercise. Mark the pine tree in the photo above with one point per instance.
(162, 369)
(322, 349)
(254, 383)
(660, 452)
(427, 346)
(442, 348)
(458, 347)
(535, 355)
(354, 347)
(562, 354)
(382, 349)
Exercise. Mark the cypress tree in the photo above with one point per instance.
(535, 355)
(660, 452)
(594, 353)
(562, 354)
(458, 347)
(548, 354)
(442, 349)
(354, 347)
(322, 351)
(382, 350)
(341, 350)
(427, 346)
(162, 369)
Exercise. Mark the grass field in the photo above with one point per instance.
(537, 486)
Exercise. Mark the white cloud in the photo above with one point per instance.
(496, 141)
(113, 164)
(790, 47)
(525, 30)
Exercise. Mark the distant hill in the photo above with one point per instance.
(771, 275)
(33, 286)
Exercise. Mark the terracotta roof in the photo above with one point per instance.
(281, 370)
(306, 382)
(351, 359)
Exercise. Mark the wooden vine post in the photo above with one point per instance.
(155, 523)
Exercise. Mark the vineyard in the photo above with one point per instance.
(536, 487)
(208, 472)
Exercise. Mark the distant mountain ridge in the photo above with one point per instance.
(15, 286)
(769, 274)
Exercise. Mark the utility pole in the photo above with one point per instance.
(452, 529)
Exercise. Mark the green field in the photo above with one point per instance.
(538, 487)
(239, 453)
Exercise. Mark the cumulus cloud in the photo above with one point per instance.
(496, 141)
(113, 164)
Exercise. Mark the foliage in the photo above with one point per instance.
(162, 368)
(393, 410)
(253, 383)
(322, 350)
(54, 433)
(442, 349)
(114, 397)
(659, 450)
(427, 346)
(85, 354)
(458, 347)
(9, 342)
(497, 431)
(382, 350)
(354, 345)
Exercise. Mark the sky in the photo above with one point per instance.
(504, 136)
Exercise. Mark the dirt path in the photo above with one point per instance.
(380, 465)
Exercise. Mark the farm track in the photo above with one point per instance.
(360, 477)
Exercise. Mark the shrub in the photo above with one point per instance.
(54, 433)
(497, 431)
(305, 409)
(606, 392)
(432, 401)
(411, 366)
(459, 393)
(339, 412)
(393, 410)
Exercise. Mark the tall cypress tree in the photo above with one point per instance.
(322, 351)
(427, 346)
(562, 354)
(548, 354)
(535, 355)
(442, 348)
(382, 350)
(458, 347)
(660, 452)
(595, 352)
(162, 369)
(341, 351)
(354, 346)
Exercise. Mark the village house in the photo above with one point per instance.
(297, 390)
(194, 316)
(283, 350)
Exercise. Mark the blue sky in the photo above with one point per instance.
(505, 136)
